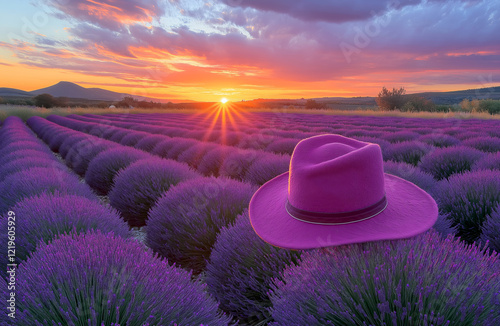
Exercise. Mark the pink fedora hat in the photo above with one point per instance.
(336, 193)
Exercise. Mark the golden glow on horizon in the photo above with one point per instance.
(223, 100)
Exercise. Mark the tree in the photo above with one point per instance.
(45, 100)
(391, 100)
(1, 100)
(312, 104)
(418, 103)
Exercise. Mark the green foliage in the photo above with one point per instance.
(490, 106)
(1, 101)
(46, 101)
(417, 104)
(314, 105)
(391, 100)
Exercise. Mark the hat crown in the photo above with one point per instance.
(335, 174)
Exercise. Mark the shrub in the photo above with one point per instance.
(22, 164)
(39, 180)
(184, 223)
(391, 100)
(46, 216)
(164, 147)
(266, 167)
(195, 153)
(467, 199)
(490, 106)
(411, 173)
(46, 101)
(14, 156)
(384, 144)
(104, 167)
(137, 187)
(241, 268)
(212, 161)
(22, 145)
(491, 230)
(133, 138)
(236, 164)
(107, 280)
(148, 143)
(439, 140)
(80, 155)
(444, 162)
(444, 226)
(56, 140)
(180, 145)
(423, 280)
(410, 152)
(400, 136)
(283, 146)
(118, 135)
(488, 162)
(71, 141)
(485, 144)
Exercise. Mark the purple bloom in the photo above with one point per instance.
(71, 141)
(104, 167)
(133, 138)
(444, 162)
(488, 162)
(439, 140)
(195, 153)
(265, 167)
(24, 163)
(137, 187)
(467, 199)
(491, 230)
(236, 164)
(425, 280)
(411, 173)
(410, 152)
(80, 155)
(400, 136)
(184, 223)
(40, 180)
(94, 279)
(46, 216)
(16, 155)
(211, 162)
(241, 268)
(283, 146)
(485, 144)
(148, 143)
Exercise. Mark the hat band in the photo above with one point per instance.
(336, 218)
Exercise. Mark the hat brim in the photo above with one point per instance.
(409, 212)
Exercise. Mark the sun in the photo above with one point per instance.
(223, 100)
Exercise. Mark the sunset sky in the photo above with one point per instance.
(245, 49)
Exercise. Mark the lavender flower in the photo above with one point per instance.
(137, 187)
(97, 279)
(439, 140)
(266, 167)
(468, 199)
(148, 143)
(410, 152)
(39, 180)
(46, 216)
(184, 223)
(411, 173)
(488, 162)
(241, 268)
(283, 146)
(491, 230)
(423, 280)
(444, 162)
(485, 144)
(104, 167)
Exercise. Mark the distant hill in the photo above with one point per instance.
(71, 90)
(4, 91)
(457, 96)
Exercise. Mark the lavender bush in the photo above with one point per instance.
(104, 167)
(184, 224)
(488, 162)
(195, 153)
(241, 268)
(211, 162)
(410, 152)
(400, 136)
(133, 138)
(266, 167)
(485, 144)
(439, 140)
(4, 160)
(46, 216)
(97, 279)
(39, 180)
(491, 230)
(80, 155)
(411, 173)
(137, 187)
(148, 143)
(424, 280)
(25, 163)
(444, 162)
(236, 164)
(283, 146)
(468, 199)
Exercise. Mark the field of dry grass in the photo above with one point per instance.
(25, 112)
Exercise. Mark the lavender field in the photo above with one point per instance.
(142, 219)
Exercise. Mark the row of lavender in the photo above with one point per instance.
(438, 154)
(191, 205)
(457, 192)
(77, 261)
